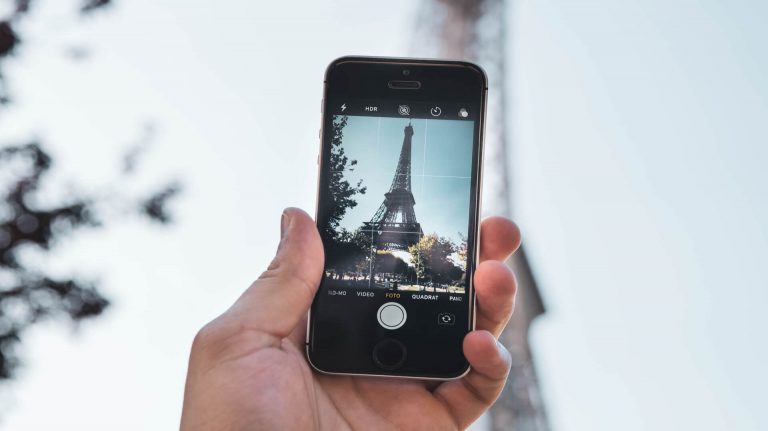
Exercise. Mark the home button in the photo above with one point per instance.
(389, 354)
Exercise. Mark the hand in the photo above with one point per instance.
(247, 369)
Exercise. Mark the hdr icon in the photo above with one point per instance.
(371, 108)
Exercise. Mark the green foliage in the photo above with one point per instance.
(341, 193)
(349, 252)
(387, 263)
(461, 251)
(431, 257)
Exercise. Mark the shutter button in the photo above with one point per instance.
(391, 315)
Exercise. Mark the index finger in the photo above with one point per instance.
(499, 238)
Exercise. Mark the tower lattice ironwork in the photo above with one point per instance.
(478, 30)
(394, 225)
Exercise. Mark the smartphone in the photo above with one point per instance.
(400, 170)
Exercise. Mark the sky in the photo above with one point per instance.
(639, 182)
(234, 96)
(639, 131)
(441, 169)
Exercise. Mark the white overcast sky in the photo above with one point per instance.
(639, 178)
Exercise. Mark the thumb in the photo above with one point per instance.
(276, 302)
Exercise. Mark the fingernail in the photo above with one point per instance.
(285, 226)
(285, 223)
(504, 353)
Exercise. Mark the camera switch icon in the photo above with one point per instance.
(446, 319)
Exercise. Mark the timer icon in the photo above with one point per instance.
(436, 111)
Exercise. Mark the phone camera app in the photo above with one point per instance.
(446, 319)
(404, 200)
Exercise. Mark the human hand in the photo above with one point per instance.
(248, 371)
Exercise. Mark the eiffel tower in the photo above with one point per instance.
(394, 226)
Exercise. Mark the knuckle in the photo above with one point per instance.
(227, 338)
(205, 336)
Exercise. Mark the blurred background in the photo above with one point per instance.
(148, 148)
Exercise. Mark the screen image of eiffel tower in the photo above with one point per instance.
(399, 191)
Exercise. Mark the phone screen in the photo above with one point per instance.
(396, 216)
(401, 186)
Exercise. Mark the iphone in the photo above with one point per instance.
(400, 169)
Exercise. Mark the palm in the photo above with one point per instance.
(404, 404)
(294, 397)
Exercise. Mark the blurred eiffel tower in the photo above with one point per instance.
(474, 30)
